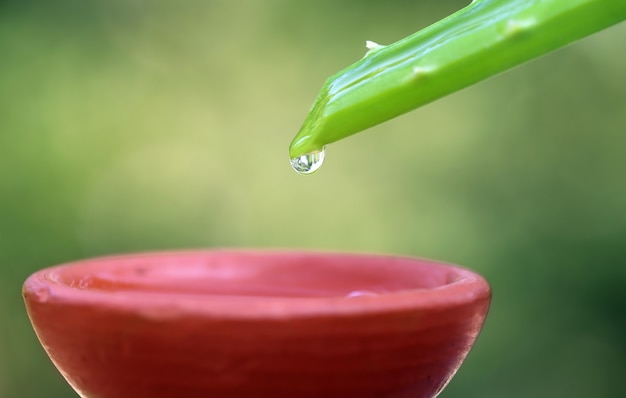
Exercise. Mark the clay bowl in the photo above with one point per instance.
(256, 324)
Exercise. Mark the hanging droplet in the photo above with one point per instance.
(309, 163)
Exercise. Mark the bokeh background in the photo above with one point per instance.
(132, 125)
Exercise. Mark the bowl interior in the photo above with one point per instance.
(255, 274)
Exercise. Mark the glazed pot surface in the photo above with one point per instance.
(256, 324)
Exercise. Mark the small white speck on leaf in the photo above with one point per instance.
(372, 46)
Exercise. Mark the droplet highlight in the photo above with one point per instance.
(308, 163)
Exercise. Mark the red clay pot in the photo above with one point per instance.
(256, 324)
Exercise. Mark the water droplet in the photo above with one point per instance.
(359, 293)
(84, 283)
(42, 294)
(309, 163)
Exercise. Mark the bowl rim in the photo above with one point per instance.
(41, 287)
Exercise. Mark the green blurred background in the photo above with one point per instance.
(140, 125)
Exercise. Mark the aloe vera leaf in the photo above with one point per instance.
(481, 40)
